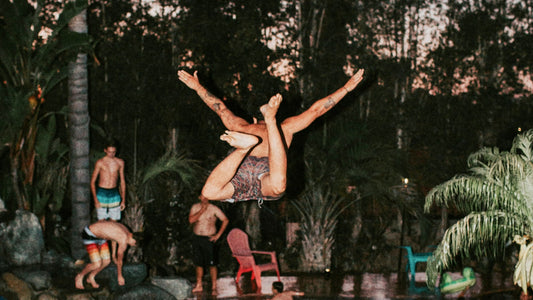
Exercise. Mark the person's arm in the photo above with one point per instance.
(122, 185)
(222, 217)
(93, 184)
(196, 211)
(297, 123)
(229, 120)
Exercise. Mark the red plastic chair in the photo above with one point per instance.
(238, 243)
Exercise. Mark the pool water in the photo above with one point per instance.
(360, 286)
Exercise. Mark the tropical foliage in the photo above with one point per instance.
(319, 208)
(173, 168)
(496, 197)
(31, 65)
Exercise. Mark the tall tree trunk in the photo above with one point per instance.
(78, 118)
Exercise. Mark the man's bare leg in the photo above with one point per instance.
(199, 275)
(114, 251)
(91, 267)
(92, 274)
(217, 185)
(213, 273)
(275, 182)
(78, 281)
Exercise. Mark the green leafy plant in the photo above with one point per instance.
(496, 197)
(141, 188)
(319, 208)
(30, 66)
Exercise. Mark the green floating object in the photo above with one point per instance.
(449, 286)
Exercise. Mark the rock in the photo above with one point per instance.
(179, 287)
(38, 279)
(144, 291)
(21, 239)
(133, 275)
(47, 296)
(12, 285)
(88, 294)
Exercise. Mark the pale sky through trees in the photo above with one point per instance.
(430, 20)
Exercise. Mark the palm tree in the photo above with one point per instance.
(141, 189)
(78, 116)
(496, 197)
(319, 208)
(30, 66)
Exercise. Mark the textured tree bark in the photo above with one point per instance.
(78, 122)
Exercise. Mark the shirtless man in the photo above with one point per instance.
(257, 169)
(203, 216)
(279, 294)
(95, 238)
(109, 200)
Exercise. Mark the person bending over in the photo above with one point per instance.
(95, 237)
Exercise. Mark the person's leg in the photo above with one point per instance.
(114, 214)
(217, 185)
(213, 273)
(90, 278)
(88, 268)
(274, 183)
(96, 261)
(104, 262)
(101, 213)
(199, 276)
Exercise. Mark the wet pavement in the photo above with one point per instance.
(360, 286)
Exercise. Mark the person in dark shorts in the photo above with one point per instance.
(203, 216)
(260, 139)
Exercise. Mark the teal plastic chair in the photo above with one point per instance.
(414, 258)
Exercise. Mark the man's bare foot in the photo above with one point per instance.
(240, 140)
(197, 289)
(92, 282)
(79, 282)
(214, 291)
(270, 109)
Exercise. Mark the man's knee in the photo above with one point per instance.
(105, 263)
(96, 264)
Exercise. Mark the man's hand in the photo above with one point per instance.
(214, 238)
(97, 204)
(355, 80)
(191, 81)
(122, 206)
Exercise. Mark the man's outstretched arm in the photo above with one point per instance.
(297, 123)
(231, 121)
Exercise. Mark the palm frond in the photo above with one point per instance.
(469, 193)
(186, 169)
(522, 145)
(477, 235)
